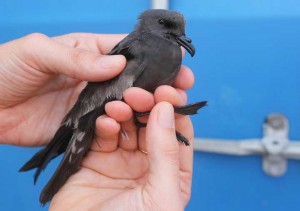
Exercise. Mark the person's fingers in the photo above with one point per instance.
(106, 134)
(168, 94)
(142, 101)
(128, 138)
(185, 78)
(107, 41)
(163, 153)
(118, 110)
(43, 53)
(183, 123)
(176, 98)
(139, 99)
(102, 43)
(122, 113)
(184, 126)
(182, 94)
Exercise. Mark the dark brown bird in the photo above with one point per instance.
(153, 58)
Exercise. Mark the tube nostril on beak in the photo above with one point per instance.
(188, 40)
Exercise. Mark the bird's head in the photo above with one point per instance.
(167, 24)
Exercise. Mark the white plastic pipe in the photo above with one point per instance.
(160, 4)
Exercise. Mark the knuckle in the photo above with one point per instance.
(35, 38)
(30, 45)
(78, 56)
(82, 59)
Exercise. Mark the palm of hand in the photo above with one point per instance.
(120, 180)
(106, 180)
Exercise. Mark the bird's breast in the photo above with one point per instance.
(162, 60)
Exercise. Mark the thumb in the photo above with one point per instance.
(163, 150)
(49, 56)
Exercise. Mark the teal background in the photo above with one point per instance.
(247, 66)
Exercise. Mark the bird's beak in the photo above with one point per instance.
(187, 44)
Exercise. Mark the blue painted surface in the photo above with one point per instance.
(247, 66)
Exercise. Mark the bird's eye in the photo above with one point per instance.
(161, 21)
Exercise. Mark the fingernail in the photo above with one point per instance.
(110, 62)
(165, 116)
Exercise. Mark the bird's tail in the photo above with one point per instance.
(78, 146)
(56, 147)
(69, 164)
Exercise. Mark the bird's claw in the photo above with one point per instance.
(140, 124)
(179, 136)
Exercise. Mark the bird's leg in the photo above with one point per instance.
(189, 109)
(179, 136)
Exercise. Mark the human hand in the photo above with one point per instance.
(41, 77)
(117, 174)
